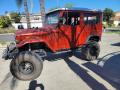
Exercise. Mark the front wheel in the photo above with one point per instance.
(90, 51)
(26, 66)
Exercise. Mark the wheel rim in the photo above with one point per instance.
(26, 68)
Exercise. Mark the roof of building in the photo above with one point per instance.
(75, 8)
(33, 14)
(117, 13)
(116, 16)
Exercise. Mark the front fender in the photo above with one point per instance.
(34, 40)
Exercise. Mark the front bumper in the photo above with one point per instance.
(10, 52)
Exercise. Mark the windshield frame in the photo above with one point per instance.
(52, 16)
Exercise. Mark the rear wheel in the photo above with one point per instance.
(26, 66)
(91, 51)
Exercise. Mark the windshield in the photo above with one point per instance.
(52, 18)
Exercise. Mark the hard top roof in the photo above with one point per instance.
(75, 8)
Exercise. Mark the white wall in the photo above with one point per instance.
(116, 23)
(33, 24)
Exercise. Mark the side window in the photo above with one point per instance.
(91, 18)
(71, 18)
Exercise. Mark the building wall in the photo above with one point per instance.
(33, 24)
(33, 18)
(116, 23)
(116, 19)
(117, 14)
(35, 21)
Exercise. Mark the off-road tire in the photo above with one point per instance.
(33, 59)
(90, 51)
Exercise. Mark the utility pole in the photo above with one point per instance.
(42, 10)
(27, 14)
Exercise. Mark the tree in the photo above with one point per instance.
(15, 17)
(107, 15)
(4, 21)
(69, 5)
(42, 10)
(19, 3)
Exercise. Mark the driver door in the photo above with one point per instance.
(67, 30)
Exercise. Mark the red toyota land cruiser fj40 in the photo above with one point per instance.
(64, 29)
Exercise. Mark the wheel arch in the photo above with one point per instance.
(35, 46)
(94, 38)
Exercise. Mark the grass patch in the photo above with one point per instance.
(113, 28)
(116, 32)
(7, 30)
(3, 42)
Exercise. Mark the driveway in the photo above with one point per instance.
(62, 72)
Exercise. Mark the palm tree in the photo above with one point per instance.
(42, 9)
(19, 3)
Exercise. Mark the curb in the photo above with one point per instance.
(8, 34)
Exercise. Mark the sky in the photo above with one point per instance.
(10, 5)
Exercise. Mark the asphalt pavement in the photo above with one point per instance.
(62, 72)
(7, 37)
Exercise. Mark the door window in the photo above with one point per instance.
(71, 18)
(91, 18)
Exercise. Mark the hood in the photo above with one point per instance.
(45, 29)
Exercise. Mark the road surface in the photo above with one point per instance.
(72, 73)
(7, 37)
